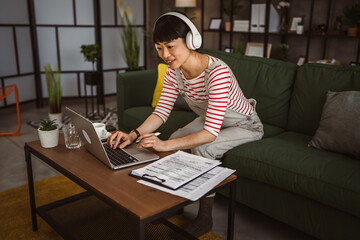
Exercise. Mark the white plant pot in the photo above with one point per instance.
(300, 29)
(58, 117)
(49, 139)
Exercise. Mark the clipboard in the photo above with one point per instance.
(159, 181)
(175, 170)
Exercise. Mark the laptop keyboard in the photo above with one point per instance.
(118, 156)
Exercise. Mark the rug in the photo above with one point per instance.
(87, 218)
(110, 119)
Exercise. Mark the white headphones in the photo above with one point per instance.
(193, 38)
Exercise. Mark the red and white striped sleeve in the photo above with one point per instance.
(168, 95)
(219, 89)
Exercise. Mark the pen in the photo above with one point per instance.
(156, 134)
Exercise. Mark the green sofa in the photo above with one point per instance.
(313, 190)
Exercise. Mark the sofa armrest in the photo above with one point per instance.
(135, 89)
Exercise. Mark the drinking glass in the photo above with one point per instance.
(72, 137)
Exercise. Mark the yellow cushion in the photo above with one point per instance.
(159, 85)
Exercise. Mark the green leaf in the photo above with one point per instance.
(48, 125)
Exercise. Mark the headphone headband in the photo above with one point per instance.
(194, 40)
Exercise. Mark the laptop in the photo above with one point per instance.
(113, 158)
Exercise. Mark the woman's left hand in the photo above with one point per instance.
(149, 140)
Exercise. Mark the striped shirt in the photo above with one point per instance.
(224, 93)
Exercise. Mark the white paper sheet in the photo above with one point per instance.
(176, 169)
(199, 186)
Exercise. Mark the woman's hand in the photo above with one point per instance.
(149, 140)
(121, 139)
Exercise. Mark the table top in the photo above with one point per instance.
(116, 186)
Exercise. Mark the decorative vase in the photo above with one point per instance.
(58, 117)
(283, 24)
(49, 139)
(227, 26)
(300, 29)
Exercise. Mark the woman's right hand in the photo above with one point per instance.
(121, 139)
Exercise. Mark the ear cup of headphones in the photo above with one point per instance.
(197, 40)
(189, 41)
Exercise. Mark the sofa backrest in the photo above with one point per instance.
(311, 85)
(269, 81)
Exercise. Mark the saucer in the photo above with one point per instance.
(106, 136)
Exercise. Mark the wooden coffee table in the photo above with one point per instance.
(142, 204)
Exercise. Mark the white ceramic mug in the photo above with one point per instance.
(100, 129)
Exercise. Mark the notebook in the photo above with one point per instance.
(113, 158)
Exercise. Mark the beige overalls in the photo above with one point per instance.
(236, 128)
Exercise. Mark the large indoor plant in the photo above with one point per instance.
(352, 19)
(129, 37)
(48, 133)
(92, 54)
(53, 84)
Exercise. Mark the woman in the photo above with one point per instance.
(226, 118)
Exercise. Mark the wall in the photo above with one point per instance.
(61, 28)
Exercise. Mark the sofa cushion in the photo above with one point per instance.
(270, 130)
(340, 120)
(162, 67)
(285, 161)
(134, 117)
(269, 81)
(311, 85)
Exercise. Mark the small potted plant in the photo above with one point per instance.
(300, 27)
(92, 54)
(284, 52)
(239, 46)
(352, 19)
(228, 9)
(53, 84)
(283, 7)
(48, 133)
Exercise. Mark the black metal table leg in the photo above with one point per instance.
(141, 230)
(31, 188)
(231, 211)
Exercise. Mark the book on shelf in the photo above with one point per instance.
(241, 25)
(258, 12)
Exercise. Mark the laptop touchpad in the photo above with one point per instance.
(139, 153)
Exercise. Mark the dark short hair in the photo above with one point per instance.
(168, 28)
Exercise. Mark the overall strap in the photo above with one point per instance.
(206, 76)
(207, 72)
(179, 81)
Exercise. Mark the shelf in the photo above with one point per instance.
(322, 41)
(305, 34)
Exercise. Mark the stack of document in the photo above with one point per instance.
(183, 174)
(241, 25)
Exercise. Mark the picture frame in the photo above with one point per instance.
(301, 60)
(257, 49)
(215, 24)
(294, 21)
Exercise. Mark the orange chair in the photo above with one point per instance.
(4, 92)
